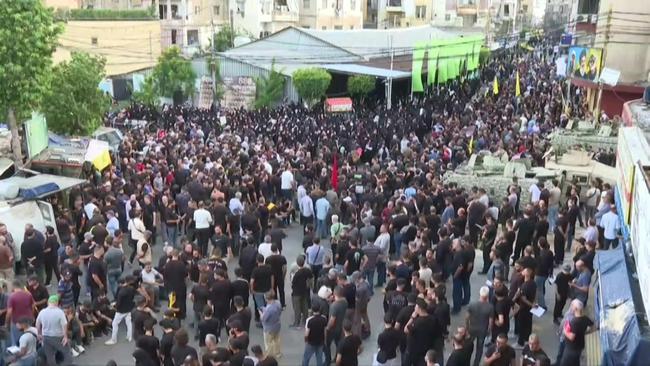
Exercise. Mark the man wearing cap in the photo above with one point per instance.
(52, 325)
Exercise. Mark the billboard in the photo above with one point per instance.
(585, 63)
(36, 134)
(239, 92)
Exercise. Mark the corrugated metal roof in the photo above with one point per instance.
(356, 69)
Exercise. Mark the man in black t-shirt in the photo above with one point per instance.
(220, 296)
(500, 353)
(574, 333)
(278, 264)
(423, 330)
(208, 325)
(148, 342)
(261, 283)
(97, 272)
(353, 258)
(349, 347)
(314, 336)
(140, 315)
(525, 297)
(300, 282)
(174, 273)
(532, 352)
(123, 306)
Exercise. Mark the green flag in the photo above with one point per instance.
(432, 63)
(416, 70)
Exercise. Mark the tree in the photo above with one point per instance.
(75, 105)
(269, 88)
(173, 74)
(359, 86)
(147, 94)
(311, 83)
(28, 37)
(223, 40)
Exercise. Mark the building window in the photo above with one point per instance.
(421, 11)
(447, 17)
(525, 8)
(338, 27)
(93, 41)
(192, 37)
(305, 26)
(351, 27)
(174, 35)
(305, 4)
(324, 28)
(197, 10)
(506, 10)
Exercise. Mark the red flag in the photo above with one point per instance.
(335, 174)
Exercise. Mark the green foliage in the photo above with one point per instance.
(110, 14)
(173, 74)
(311, 83)
(147, 94)
(224, 38)
(28, 37)
(484, 55)
(74, 105)
(269, 89)
(359, 86)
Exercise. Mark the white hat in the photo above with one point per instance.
(324, 292)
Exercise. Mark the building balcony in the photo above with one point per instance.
(466, 9)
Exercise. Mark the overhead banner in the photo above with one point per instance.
(416, 70)
(239, 92)
(585, 63)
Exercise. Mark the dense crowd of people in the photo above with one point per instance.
(217, 190)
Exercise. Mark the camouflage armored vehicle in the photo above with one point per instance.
(495, 175)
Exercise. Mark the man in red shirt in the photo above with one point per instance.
(20, 305)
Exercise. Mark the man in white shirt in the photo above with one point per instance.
(611, 225)
(265, 248)
(534, 193)
(383, 243)
(306, 205)
(52, 327)
(151, 279)
(89, 209)
(235, 206)
(202, 222)
(136, 229)
(287, 182)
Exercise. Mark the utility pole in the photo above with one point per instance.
(232, 28)
(389, 94)
(602, 64)
(213, 67)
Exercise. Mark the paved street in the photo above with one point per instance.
(292, 340)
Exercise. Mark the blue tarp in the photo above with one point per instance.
(629, 347)
(38, 191)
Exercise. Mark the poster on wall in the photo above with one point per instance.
(640, 233)
(238, 92)
(36, 133)
(584, 63)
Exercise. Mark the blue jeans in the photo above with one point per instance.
(457, 294)
(467, 294)
(560, 351)
(398, 244)
(113, 278)
(27, 361)
(370, 275)
(14, 334)
(540, 281)
(552, 217)
(381, 273)
(321, 228)
(310, 351)
(258, 298)
(172, 234)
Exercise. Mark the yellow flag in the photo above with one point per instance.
(517, 86)
(470, 146)
(495, 86)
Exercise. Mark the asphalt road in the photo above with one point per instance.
(292, 340)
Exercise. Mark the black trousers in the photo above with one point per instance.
(279, 291)
(560, 301)
(524, 320)
(51, 266)
(202, 237)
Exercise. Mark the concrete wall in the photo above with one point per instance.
(127, 46)
(626, 51)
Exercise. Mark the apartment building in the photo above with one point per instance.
(263, 17)
(332, 14)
